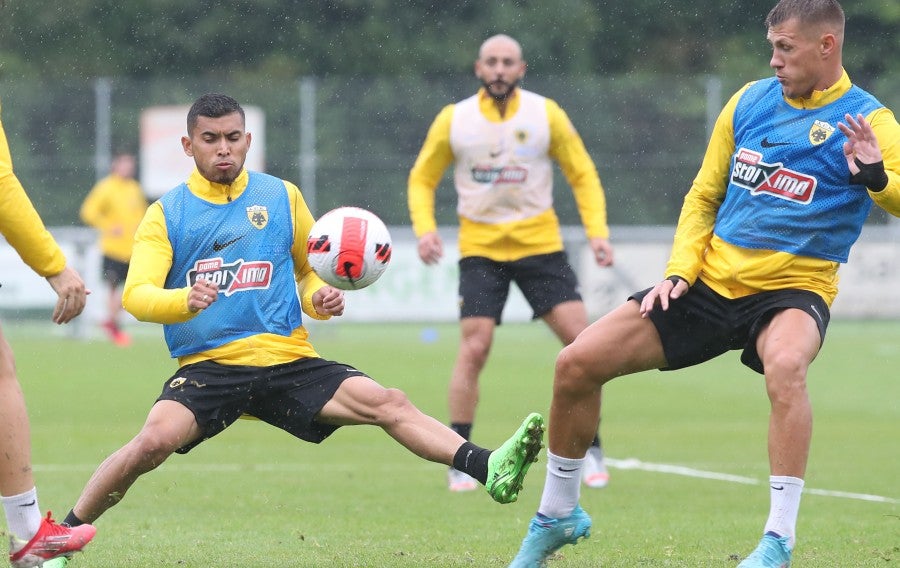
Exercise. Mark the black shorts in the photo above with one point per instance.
(545, 280)
(288, 396)
(702, 324)
(114, 271)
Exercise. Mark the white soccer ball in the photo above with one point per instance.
(349, 248)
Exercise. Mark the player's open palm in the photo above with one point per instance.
(861, 143)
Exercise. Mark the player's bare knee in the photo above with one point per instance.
(393, 406)
(149, 449)
(786, 377)
(573, 373)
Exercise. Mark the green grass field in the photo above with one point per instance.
(255, 497)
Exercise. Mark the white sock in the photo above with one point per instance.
(785, 504)
(562, 487)
(23, 515)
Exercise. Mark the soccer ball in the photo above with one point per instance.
(349, 248)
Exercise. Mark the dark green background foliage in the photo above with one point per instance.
(641, 81)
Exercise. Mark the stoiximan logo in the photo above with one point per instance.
(752, 173)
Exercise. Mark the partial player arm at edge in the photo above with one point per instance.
(887, 131)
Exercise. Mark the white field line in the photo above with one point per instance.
(624, 464)
(634, 463)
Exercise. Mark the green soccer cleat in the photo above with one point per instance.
(509, 463)
(772, 552)
(546, 536)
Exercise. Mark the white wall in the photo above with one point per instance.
(411, 291)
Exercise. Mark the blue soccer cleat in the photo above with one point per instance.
(773, 552)
(546, 536)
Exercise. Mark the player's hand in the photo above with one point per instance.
(328, 301)
(603, 251)
(201, 295)
(662, 293)
(861, 142)
(431, 248)
(69, 287)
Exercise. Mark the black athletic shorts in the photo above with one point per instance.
(545, 280)
(702, 324)
(287, 396)
(114, 271)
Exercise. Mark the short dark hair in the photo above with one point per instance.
(212, 105)
(813, 12)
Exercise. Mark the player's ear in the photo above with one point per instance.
(249, 139)
(827, 45)
(186, 145)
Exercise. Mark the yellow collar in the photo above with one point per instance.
(217, 192)
(819, 99)
(491, 110)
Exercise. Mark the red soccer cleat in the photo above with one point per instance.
(51, 541)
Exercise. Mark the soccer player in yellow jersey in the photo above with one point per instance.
(793, 167)
(503, 141)
(115, 206)
(32, 539)
(219, 261)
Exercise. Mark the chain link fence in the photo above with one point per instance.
(352, 140)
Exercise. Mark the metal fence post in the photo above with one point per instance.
(308, 141)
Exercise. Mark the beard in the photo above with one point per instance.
(500, 97)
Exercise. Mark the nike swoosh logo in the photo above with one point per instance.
(564, 470)
(779, 488)
(766, 144)
(29, 504)
(217, 246)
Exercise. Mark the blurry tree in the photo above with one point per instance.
(288, 38)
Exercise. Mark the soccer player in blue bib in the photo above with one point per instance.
(793, 167)
(219, 261)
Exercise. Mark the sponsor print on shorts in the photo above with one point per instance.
(752, 173)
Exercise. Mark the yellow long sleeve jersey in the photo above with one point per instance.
(115, 207)
(146, 298)
(735, 271)
(20, 223)
(537, 230)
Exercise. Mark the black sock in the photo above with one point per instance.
(472, 460)
(71, 520)
(463, 429)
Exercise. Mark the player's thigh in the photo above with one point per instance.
(7, 359)
(567, 320)
(619, 343)
(361, 400)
